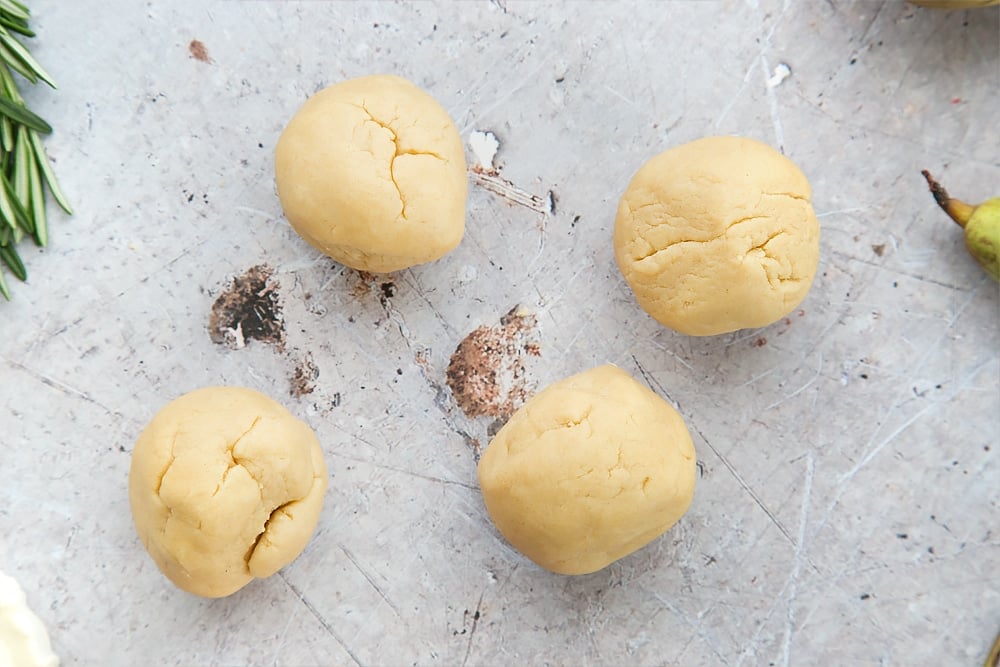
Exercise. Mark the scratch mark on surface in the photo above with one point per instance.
(704, 635)
(864, 35)
(398, 320)
(370, 580)
(61, 387)
(663, 348)
(873, 452)
(759, 376)
(624, 99)
(746, 487)
(642, 371)
(322, 621)
(800, 549)
(280, 644)
(505, 189)
(267, 215)
(847, 477)
(809, 383)
(772, 100)
(500, 100)
(739, 93)
(414, 284)
(472, 632)
(897, 271)
(410, 473)
(839, 211)
(772, 95)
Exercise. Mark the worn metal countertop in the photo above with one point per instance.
(847, 510)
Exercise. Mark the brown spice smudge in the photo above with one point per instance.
(760, 342)
(198, 51)
(486, 373)
(249, 308)
(366, 281)
(878, 249)
(304, 376)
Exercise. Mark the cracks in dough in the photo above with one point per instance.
(280, 509)
(570, 423)
(397, 152)
(654, 252)
(233, 460)
(788, 195)
(166, 468)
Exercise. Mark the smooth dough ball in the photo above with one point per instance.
(717, 235)
(371, 171)
(589, 470)
(225, 485)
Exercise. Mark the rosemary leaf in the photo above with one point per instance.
(11, 59)
(6, 210)
(3, 287)
(21, 114)
(17, 26)
(46, 169)
(7, 85)
(38, 205)
(21, 216)
(25, 57)
(23, 163)
(16, 9)
(6, 134)
(10, 257)
(25, 169)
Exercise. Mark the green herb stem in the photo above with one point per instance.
(25, 171)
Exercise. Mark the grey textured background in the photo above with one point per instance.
(848, 508)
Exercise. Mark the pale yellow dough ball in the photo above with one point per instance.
(371, 171)
(589, 470)
(225, 485)
(716, 235)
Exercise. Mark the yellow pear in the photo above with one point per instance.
(981, 224)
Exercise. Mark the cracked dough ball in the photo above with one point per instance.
(226, 485)
(589, 470)
(718, 235)
(371, 171)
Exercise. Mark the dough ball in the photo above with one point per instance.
(589, 470)
(718, 235)
(371, 171)
(225, 485)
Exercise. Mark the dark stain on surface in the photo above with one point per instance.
(878, 249)
(249, 308)
(486, 373)
(759, 342)
(198, 51)
(304, 376)
(387, 291)
(495, 427)
(364, 284)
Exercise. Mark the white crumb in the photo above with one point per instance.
(781, 72)
(484, 146)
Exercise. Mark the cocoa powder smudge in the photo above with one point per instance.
(249, 308)
(486, 373)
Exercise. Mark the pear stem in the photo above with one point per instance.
(958, 210)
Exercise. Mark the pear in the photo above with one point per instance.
(981, 224)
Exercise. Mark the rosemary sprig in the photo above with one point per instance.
(25, 171)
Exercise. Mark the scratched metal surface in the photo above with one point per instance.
(847, 509)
